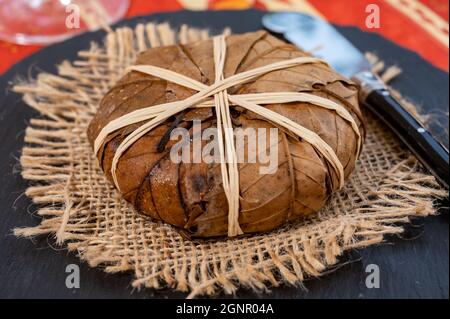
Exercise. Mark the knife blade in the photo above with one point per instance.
(321, 39)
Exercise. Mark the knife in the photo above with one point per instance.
(312, 34)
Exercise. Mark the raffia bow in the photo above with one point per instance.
(216, 96)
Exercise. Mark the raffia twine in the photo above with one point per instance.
(83, 211)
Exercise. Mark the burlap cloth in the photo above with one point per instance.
(84, 211)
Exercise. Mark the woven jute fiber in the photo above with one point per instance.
(86, 213)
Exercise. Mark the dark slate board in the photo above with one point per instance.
(415, 265)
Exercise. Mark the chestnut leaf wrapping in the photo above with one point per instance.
(190, 195)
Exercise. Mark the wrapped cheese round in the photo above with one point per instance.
(189, 194)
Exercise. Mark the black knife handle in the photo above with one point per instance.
(420, 142)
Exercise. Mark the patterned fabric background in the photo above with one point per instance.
(419, 25)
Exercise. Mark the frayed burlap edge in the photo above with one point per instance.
(82, 210)
(387, 74)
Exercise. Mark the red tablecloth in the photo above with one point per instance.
(420, 25)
